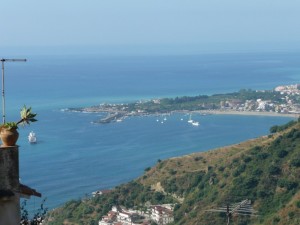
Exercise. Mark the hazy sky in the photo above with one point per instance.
(224, 24)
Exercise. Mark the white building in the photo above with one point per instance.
(161, 215)
(109, 219)
(127, 218)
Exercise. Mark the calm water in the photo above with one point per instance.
(74, 157)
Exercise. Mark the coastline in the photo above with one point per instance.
(246, 113)
(115, 115)
(247, 103)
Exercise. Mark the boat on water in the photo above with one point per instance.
(32, 137)
(195, 123)
(190, 120)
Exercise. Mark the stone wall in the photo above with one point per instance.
(9, 186)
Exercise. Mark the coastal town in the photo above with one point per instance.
(154, 214)
(289, 103)
(147, 215)
(281, 101)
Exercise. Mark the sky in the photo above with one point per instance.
(150, 25)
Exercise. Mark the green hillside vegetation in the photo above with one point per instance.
(205, 102)
(265, 170)
(200, 102)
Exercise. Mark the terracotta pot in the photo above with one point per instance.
(9, 137)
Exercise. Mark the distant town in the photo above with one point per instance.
(289, 105)
(282, 100)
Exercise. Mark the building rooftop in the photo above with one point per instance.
(29, 191)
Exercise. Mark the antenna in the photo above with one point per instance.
(3, 93)
(241, 208)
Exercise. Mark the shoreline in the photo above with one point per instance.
(119, 116)
(246, 113)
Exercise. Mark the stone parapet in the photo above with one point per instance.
(9, 186)
(9, 168)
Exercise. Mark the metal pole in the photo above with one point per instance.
(3, 96)
(3, 92)
(228, 214)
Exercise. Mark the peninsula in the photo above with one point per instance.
(281, 101)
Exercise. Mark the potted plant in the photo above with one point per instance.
(8, 131)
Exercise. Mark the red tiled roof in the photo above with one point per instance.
(106, 191)
(161, 209)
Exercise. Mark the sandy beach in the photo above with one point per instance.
(246, 113)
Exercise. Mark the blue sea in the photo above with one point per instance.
(74, 157)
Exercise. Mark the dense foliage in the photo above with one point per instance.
(268, 174)
(37, 218)
(205, 102)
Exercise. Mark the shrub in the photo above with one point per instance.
(251, 182)
(240, 169)
(295, 162)
(274, 129)
(247, 159)
(291, 214)
(197, 158)
(158, 196)
(282, 153)
(235, 160)
(235, 173)
(277, 140)
(289, 185)
(257, 172)
(221, 168)
(262, 155)
(262, 194)
(296, 135)
(276, 220)
(172, 171)
(274, 170)
(147, 169)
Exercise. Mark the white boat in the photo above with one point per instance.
(190, 120)
(195, 123)
(32, 137)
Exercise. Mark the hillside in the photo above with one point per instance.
(265, 170)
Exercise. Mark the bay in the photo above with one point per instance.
(74, 157)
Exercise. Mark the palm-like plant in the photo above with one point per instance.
(8, 131)
(27, 117)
